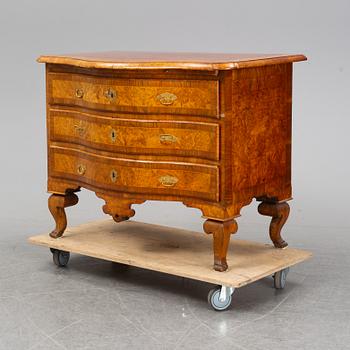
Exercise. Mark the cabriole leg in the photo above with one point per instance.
(221, 231)
(279, 213)
(57, 203)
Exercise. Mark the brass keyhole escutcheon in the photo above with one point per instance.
(79, 93)
(79, 129)
(166, 98)
(111, 94)
(168, 180)
(113, 135)
(114, 175)
(81, 169)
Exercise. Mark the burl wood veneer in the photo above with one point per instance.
(210, 130)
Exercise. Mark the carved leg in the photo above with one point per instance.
(221, 231)
(279, 213)
(57, 203)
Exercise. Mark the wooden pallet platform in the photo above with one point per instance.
(173, 251)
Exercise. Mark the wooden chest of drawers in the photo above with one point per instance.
(210, 130)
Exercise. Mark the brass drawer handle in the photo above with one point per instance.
(113, 135)
(79, 93)
(81, 169)
(168, 181)
(80, 129)
(114, 175)
(111, 94)
(166, 98)
(167, 139)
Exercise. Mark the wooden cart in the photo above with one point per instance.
(177, 252)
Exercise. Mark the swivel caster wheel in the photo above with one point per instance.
(220, 298)
(60, 257)
(280, 278)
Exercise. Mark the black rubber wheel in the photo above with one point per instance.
(280, 278)
(52, 250)
(215, 302)
(60, 257)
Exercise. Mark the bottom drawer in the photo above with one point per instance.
(135, 176)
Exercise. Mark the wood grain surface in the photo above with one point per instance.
(198, 97)
(173, 251)
(261, 132)
(169, 60)
(129, 136)
(189, 180)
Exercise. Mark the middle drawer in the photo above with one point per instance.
(178, 138)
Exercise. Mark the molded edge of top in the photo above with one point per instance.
(185, 61)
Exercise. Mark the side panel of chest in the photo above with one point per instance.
(261, 131)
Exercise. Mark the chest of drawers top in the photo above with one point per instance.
(169, 60)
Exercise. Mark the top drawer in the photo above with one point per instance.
(167, 96)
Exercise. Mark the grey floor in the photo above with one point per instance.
(92, 305)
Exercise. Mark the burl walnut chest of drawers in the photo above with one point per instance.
(210, 130)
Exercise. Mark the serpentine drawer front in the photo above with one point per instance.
(130, 176)
(210, 130)
(198, 97)
(129, 136)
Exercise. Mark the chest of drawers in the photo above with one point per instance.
(210, 130)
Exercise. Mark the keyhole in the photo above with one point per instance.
(113, 135)
(114, 176)
(111, 94)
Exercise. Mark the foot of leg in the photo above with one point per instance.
(279, 213)
(221, 231)
(57, 203)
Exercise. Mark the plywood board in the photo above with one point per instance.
(173, 251)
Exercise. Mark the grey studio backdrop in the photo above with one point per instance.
(87, 305)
